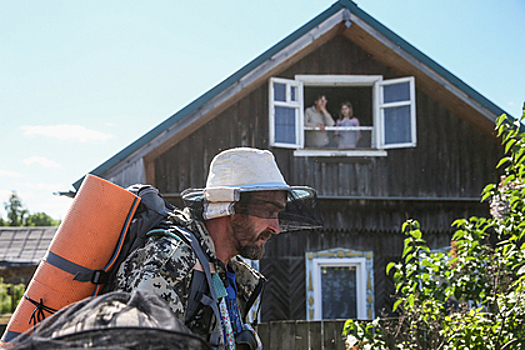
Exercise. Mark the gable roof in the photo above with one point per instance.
(338, 13)
(25, 244)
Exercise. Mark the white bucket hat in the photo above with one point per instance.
(235, 171)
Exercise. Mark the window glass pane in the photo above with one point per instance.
(285, 124)
(397, 125)
(279, 92)
(339, 291)
(396, 92)
(293, 93)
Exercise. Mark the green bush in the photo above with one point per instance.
(472, 297)
(10, 295)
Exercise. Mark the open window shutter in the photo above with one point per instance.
(397, 113)
(286, 113)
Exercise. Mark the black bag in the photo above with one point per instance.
(117, 320)
(152, 213)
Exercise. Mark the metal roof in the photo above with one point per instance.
(341, 4)
(25, 244)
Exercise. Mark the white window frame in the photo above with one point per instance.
(359, 265)
(297, 105)
(380, 108)
(376, 82)
(363, 263)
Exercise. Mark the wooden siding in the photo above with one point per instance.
(284, 265)
(364, 200)
(128, 174)
(451, 159)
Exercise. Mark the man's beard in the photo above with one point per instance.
(243, 233)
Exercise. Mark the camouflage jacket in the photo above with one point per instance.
(164, 266)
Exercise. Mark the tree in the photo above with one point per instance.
(40, 219)
(18, 215)
(472, 297)
(16, 212)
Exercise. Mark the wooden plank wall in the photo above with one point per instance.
(302, 335)
(452, 159)
(284, 265)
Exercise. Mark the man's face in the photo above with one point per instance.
(256, 222)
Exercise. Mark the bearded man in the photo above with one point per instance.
(242, 206)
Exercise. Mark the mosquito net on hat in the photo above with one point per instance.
(300, 213)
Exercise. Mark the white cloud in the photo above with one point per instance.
(66, 132)
(55, 206)
(7, 173)
(45, 186)
(4, 197)
(511, 103)
(43, 161)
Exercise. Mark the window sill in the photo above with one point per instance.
(340, 153)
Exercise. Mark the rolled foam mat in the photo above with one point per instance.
(88, 239)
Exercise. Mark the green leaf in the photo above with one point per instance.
(509, 145)
(389, 267)
(411, 300)
(503, 161)
(509, 178)
(408, 249)
(396, 304)
(416, 234)
(485, 195)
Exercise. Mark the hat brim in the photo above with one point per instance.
(297, 192)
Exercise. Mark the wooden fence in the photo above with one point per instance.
(291, 335)
(302, 335)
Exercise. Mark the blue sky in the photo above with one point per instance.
(80, 80)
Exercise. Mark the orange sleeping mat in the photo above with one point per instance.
(88, 240)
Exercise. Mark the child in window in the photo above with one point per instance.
(347, 138)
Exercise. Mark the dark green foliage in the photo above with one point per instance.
(40, 219)
(473, 296)
(10, 295)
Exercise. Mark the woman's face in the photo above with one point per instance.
(321, 102)
(346, 111)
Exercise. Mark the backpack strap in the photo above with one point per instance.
(213, 302)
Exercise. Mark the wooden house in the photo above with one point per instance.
(21, 249)
(426, 149)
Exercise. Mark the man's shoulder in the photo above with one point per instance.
(245, 274)
(171, 247)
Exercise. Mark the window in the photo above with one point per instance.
(286, 98)
(339, 285)
(385, 110)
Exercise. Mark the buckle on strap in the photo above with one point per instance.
(95, 277)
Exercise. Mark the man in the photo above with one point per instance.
(241, 207)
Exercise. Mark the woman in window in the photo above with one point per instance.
(317, 116)
(348, 138)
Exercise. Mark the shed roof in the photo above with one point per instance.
(25, 244)
(235, 78)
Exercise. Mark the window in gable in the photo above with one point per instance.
(339, 284)
(286, 113)
(385, 110)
